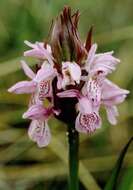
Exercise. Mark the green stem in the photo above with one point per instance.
(73, 139)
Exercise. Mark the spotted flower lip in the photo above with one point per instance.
(87, 123)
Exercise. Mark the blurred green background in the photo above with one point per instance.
(23, 166)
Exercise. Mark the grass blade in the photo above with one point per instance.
(112, 182)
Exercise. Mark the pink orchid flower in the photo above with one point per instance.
(71, 72)
(102, 63)
(97, 66)
(39, 51)
(111, 96)
(39, 132)
(108, 94)
(40, 83)
(39, 129)
(88, 119)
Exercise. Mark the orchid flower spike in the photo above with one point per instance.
(71, 77)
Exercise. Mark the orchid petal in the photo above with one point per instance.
(114, 100)
(112, 112)
(39, 51)
(45, 74)
(91, 56)
(39, 132)
(69, 94)
(111, 92)
(84, 105)
(59, 82)
(46, 52)
(27, 70)
(23, 87)
(34, 53)
(104, 63)
(87, 123)
(71, 73)
(75, 72)
(37, 112)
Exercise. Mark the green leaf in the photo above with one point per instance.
(127, 180)
(112, 182)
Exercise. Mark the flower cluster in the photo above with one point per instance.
(72, 77)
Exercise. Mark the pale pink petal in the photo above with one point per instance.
(75, 72)
(46, 52)
(71, 73)
(39, 132)
(59, 81)
(114, 100)
(37, 112)
(100, 64)
(103, 64)
(107, 56)
(94, 92)
(45, 64)
(39, 51)
(111, 92)
(87, 123)
(90, 57)
(45, 74)
(106, 53)
(44, 140)
(34, 53)
(27, 70)
(112, 113)
(84, 105)
(24, 87)
(35, 45)
(69, 94)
